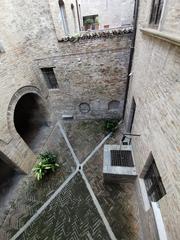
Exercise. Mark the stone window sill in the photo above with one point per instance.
(168, 37)
(159, 221)
(53, 89)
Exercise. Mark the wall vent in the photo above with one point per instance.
(67, 117)
(118, 164)
(121, 158)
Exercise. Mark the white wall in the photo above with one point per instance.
(111, 12)
(71, 17)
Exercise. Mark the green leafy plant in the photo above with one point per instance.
(88, 21)
(111, 125)
(47, 163)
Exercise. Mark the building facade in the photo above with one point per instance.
(43, 78)
(66, 17)
(108, 14)
(153, 112)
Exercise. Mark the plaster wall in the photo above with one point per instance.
(114, 13)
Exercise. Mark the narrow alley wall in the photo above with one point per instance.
(154, 86)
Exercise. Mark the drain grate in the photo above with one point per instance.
(121, 158)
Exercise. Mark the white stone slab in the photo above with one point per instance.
(159, 221)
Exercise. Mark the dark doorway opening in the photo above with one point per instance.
(131, 116)
(30, 119)
(9, 179)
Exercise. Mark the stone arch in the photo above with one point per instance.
(27, 112)
(114, 105)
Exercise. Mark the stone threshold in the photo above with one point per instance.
(165, 36)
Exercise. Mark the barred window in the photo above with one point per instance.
(156, 11)
(50, 77)
(153, 182)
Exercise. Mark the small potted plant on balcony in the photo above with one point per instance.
(88, 23)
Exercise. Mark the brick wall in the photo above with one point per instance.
(26, 27)
(155, 85)
(90, 71)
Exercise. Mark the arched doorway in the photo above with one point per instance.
(30, 120)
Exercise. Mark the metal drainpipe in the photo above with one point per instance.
(136, 8)
(77, 7)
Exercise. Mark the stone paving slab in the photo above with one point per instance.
(31, 194)
(84, 135)
(72, 215)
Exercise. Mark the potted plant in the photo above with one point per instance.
(111, 125)
(88, 23)
(47, 163)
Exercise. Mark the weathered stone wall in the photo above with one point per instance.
(71, 17)
(26, 27)
(114, 13)
(28, 33)
(90, 71)
(155, 86)
(170, 18)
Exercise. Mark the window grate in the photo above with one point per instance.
(50, 77)
(154, 184)
(121, 158)
(156, 11)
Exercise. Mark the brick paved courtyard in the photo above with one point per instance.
(75, 212)
(118, 201)
(72, 215)
(84, 136)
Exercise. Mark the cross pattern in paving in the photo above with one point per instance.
(72, 211)
(69, 216)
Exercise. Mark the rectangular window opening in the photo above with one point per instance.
(153, 182)
(50, 78)
(90, 22)
(156, 11)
